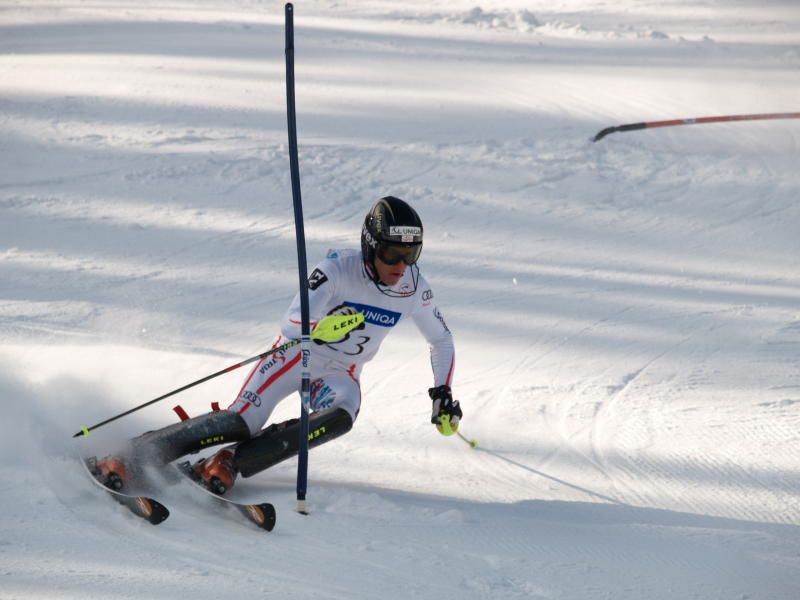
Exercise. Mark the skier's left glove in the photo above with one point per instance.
(446, 411)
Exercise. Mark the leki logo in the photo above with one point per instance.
(217, 439)
(316, 433)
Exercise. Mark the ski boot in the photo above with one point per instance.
(216, 472)
(110, 471)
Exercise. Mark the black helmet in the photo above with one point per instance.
(392, 231)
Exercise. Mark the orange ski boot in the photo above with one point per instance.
(217, 472)
(112, 472)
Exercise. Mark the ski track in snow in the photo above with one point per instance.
(626, 313)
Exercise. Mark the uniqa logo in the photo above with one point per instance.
(376, 315)
(382, 318)
(407, 230)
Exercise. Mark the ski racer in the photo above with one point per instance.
(383, 283)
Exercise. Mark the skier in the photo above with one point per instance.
(381, 281)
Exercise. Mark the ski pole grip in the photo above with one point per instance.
(334, 327)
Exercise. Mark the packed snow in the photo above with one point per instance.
(626, 313)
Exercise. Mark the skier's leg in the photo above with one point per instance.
(168, 443)
(335, 401)
(271, 380)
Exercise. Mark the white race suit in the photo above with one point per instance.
(342, 279)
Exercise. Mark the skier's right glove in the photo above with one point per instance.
(446, 411)
(337, 325)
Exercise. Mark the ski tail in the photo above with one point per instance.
(261, 514)
(149, 509)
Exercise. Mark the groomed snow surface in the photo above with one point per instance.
(626, 313)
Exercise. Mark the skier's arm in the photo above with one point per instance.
(430, 322)
(446, 410)
(321, 287)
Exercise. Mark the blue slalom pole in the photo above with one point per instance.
(302, 267)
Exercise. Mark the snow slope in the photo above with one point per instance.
(627, 313)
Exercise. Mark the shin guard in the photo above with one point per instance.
(280, 441)
(171, 442)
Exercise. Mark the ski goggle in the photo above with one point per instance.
(392, 254)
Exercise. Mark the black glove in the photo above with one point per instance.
(446, 411)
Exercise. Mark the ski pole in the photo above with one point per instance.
(85, 430)
(694, 121)
(329, 328)
(472, 442)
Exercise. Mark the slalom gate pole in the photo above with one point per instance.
(693, 121)
(302, 268)
(85, 430)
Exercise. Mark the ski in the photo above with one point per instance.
(149, 509)
(261, 514)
